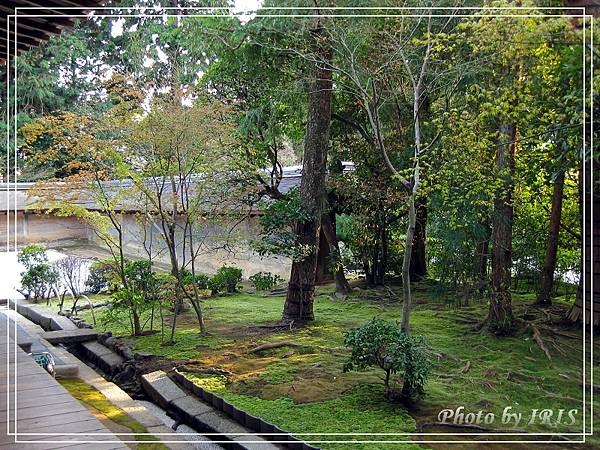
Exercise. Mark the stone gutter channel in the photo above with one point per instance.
(184, 401)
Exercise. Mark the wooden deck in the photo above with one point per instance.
(42, 406)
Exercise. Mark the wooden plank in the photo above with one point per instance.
(60, 422)
(45, 412)
(56, 445)
(43, 406)
(28, 402)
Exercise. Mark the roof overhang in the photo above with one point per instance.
(26, 32)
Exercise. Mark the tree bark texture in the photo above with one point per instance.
(500, 313)
(547, 276)
(410, 233)
(587, 303)
(323, 273)
(301, 287)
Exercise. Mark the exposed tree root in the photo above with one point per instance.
(444, 375)
(477, 328)
(467, 367)
(518, 376)
(561, 333)
(537, 338)
(442, 355)
(204, 370)
(273, 345)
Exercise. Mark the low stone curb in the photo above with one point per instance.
(241, 417)
(58, 322)
(216, 416)
(102, 357)
(70, 336)
(32, 312)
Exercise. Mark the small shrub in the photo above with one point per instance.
(139, 275)
(39, 276)
(166, 287)
(102, 276)
(38, 280)
(263, 281)
(382, 344)
(202, 281)
(226, 279)
(32, 255)
(140, 295)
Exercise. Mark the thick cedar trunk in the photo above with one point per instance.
(300, 295)
(592, 299)
(323, 273)
(418, 261)
(500, 314)
(342, 287)
(547, 276)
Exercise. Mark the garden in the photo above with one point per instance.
(323, 377)
(340, 223)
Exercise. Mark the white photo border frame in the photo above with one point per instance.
(226, 12)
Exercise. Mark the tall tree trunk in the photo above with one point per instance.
(300, 295)
(323, 272)
(500, 317)
(410, 233)
(589, 266)
(137, 327)
(368, 272)
(547, 276)
(342, 288)
(418, 260)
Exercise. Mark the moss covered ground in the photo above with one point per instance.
(303, 389)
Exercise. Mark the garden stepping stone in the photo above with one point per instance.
(161, 389)
(103, 357)
(58, 322)
(70, 336)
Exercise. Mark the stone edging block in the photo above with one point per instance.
(161, 389)
(103, 357)
(239, 416)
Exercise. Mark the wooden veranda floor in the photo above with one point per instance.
(37, 403)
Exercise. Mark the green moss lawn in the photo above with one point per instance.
(303, 389)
